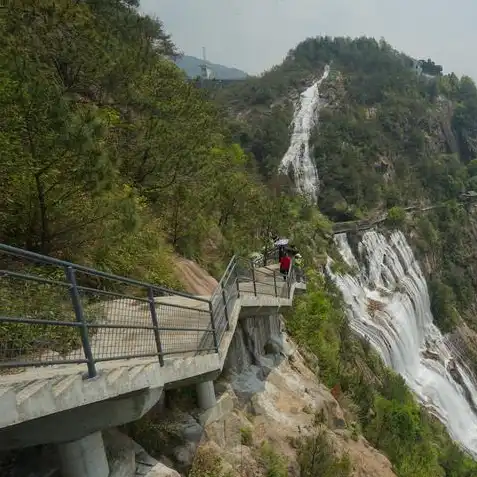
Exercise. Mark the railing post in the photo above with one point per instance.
(254, 282)
(212, 324)
(237, 283)
(155, 324)
(225, 308)
(275, 282)
(78, 309)
(290, 278)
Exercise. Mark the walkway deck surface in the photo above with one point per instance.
(62, 386)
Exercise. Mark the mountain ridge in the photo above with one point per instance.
(191, 66)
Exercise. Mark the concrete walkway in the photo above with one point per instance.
(49, 390)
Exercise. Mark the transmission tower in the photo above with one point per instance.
(206, 72)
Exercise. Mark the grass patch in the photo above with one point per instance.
(275, 465)
(246, 436)
(207, 464)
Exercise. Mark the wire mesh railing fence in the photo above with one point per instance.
(54, 312)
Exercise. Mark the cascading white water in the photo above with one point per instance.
(388, 303)
(298, 154)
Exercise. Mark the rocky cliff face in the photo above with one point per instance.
(269, 401)
(276, 402)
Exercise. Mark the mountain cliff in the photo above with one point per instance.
(389, 137)
(382, 137)
(111, 158)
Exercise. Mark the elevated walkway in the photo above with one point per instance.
(366, 224)
(127, 346)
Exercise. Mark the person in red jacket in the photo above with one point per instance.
(285, 263)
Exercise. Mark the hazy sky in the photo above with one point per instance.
(256, 34)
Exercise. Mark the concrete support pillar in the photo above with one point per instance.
(206, 395)
(85, 457)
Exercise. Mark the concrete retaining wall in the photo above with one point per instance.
(252, 336)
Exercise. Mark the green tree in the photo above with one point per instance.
(396, 216)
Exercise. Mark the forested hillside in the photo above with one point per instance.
(110, 158)
(389, 137)
(108, 155)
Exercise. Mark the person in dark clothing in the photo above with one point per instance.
(298, 263)
(285, 263)
(281, 252)
(291, 249)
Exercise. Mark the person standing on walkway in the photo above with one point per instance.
(285, 262)
(281, 244)
(298, 262)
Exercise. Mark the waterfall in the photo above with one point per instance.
(388, 303)
(298, 154)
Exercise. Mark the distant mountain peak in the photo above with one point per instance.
(191, 66)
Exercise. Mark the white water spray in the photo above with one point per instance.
(298, 154)
(388, 303)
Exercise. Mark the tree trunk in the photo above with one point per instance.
(44, 232)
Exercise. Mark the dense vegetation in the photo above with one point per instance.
(111, 158)
(107, 151)
(375, 399)
(388, 137)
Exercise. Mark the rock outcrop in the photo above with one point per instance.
(267, 396)
(269, 400)
(279, 409)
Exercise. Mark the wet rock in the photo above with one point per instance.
(279, 344)
(248, 383)
(430, 355)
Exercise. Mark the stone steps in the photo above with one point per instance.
(32, 399)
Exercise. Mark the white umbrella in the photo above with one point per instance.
(281, 242)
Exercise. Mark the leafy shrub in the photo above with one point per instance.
(317, 457)
(246, 436)
(317, 322)
(443, 305)
(40, 301)
(275, 465)
(396, 216)
(206, 464)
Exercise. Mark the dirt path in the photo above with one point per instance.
(194, 278)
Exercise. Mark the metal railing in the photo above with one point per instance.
(54, 312)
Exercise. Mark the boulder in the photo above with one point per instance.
(160, 470)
